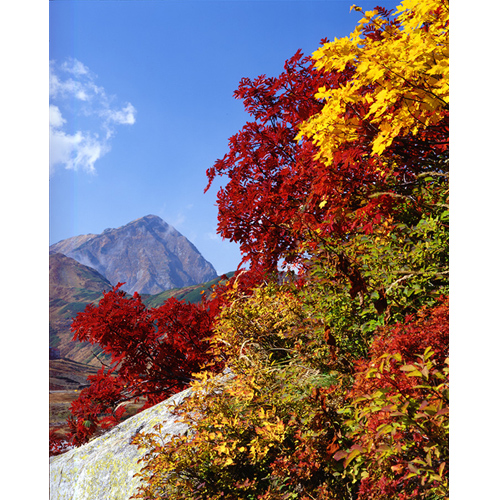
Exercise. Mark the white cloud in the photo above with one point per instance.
(213, 236)
(73, 92)
(62, 148)
(88, 152)
(69, 88)
(179, 220)
(55, 117)
(124, 116)
(77, 151)
(75, 67)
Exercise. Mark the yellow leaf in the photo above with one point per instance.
(409, 66)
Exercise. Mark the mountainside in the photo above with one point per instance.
(67, 278)
(192, 294)
(148, 254)
(68, 375)
(71, 287)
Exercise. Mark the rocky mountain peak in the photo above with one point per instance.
(148, 254)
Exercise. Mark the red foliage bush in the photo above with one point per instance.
(400, 410)
(153, 354)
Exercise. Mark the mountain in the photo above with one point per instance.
(192, 294)
(148, 254)
(68, 375)
(71, 287)
(68, 278)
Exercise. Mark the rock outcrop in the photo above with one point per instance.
(104, 468)
(148, 254)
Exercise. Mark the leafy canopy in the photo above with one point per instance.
(338, 382)
(401, 78)
(284, 195)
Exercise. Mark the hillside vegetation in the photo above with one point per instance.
(72, 286)
(193, 294)
(335, 327)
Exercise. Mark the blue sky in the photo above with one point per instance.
(141, 103)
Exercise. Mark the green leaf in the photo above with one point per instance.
(351, 456)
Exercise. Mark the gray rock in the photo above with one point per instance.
(148, 254)
(104, 468)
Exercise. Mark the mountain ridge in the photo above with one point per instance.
(148, 254)
(71, 287)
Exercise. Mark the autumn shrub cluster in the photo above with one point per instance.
(323, 369)
(152, 353)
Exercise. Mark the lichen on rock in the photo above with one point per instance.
(105, 467)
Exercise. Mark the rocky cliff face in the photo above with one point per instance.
(148, 254)
(104, 468)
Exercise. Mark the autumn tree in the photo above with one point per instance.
(339, 375)
(398, 414)
(252, 424)
(374, 211)
(264, 205)
(286, 419)
(400, 80)
(284, 191)
(153, 354)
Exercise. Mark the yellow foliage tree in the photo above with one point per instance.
(299, 413)
(400, 80)
(248, 424)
